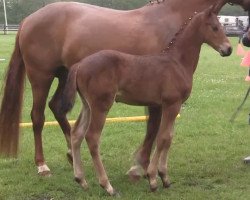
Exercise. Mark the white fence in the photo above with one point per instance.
(10, 27)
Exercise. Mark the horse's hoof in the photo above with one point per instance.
(134, 174)
(70, 158)
(44, 171)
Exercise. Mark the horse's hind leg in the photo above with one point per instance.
(77, 136)
(62, 74)
(40, 84)
(142, 157)
(93, 139)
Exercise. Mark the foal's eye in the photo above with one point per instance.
(215, 28)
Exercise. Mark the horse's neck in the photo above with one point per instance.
(183, 7)
(186, 49)
(167, 17)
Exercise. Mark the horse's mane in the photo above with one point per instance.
(153, 2)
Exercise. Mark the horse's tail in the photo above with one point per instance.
(69, 93)
(12, 98)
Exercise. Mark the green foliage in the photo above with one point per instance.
(232, 10)
(19, 9)
(205, 160)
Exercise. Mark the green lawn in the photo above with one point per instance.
(205, 161)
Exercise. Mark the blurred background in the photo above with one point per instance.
(233, 18)
(19, 9)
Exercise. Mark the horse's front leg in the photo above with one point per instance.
(163, 142)
(142, 156)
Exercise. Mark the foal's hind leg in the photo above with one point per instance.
(93, 139)
(77, 136)
(54, 105)
(142, 157)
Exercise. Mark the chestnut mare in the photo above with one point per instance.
(50, 40)
(163, 80)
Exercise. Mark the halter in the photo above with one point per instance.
(182, 28)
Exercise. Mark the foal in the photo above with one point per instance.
(158, 80)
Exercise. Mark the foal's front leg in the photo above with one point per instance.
(142, 157)
(163, 142)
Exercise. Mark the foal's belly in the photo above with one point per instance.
(138, 98)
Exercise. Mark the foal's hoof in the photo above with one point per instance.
(70, 158)
(165, 181)
(134, 177)
(45, 174)
(82, 183)
(166, 184)
(44, 171)
(153, 188)
(115, 194)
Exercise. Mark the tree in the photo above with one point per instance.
(232, 10)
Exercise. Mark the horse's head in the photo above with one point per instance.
(213, 32)
(245, 4)
(246, 38)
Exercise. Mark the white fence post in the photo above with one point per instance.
(5, 17)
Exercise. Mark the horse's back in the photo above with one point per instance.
(65, 32)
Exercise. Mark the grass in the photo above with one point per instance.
(205, 160)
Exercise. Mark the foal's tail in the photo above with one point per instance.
(69, 93)
(11, 106)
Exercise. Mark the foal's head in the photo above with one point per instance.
(213, 32)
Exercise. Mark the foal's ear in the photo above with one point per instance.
(217, 6)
